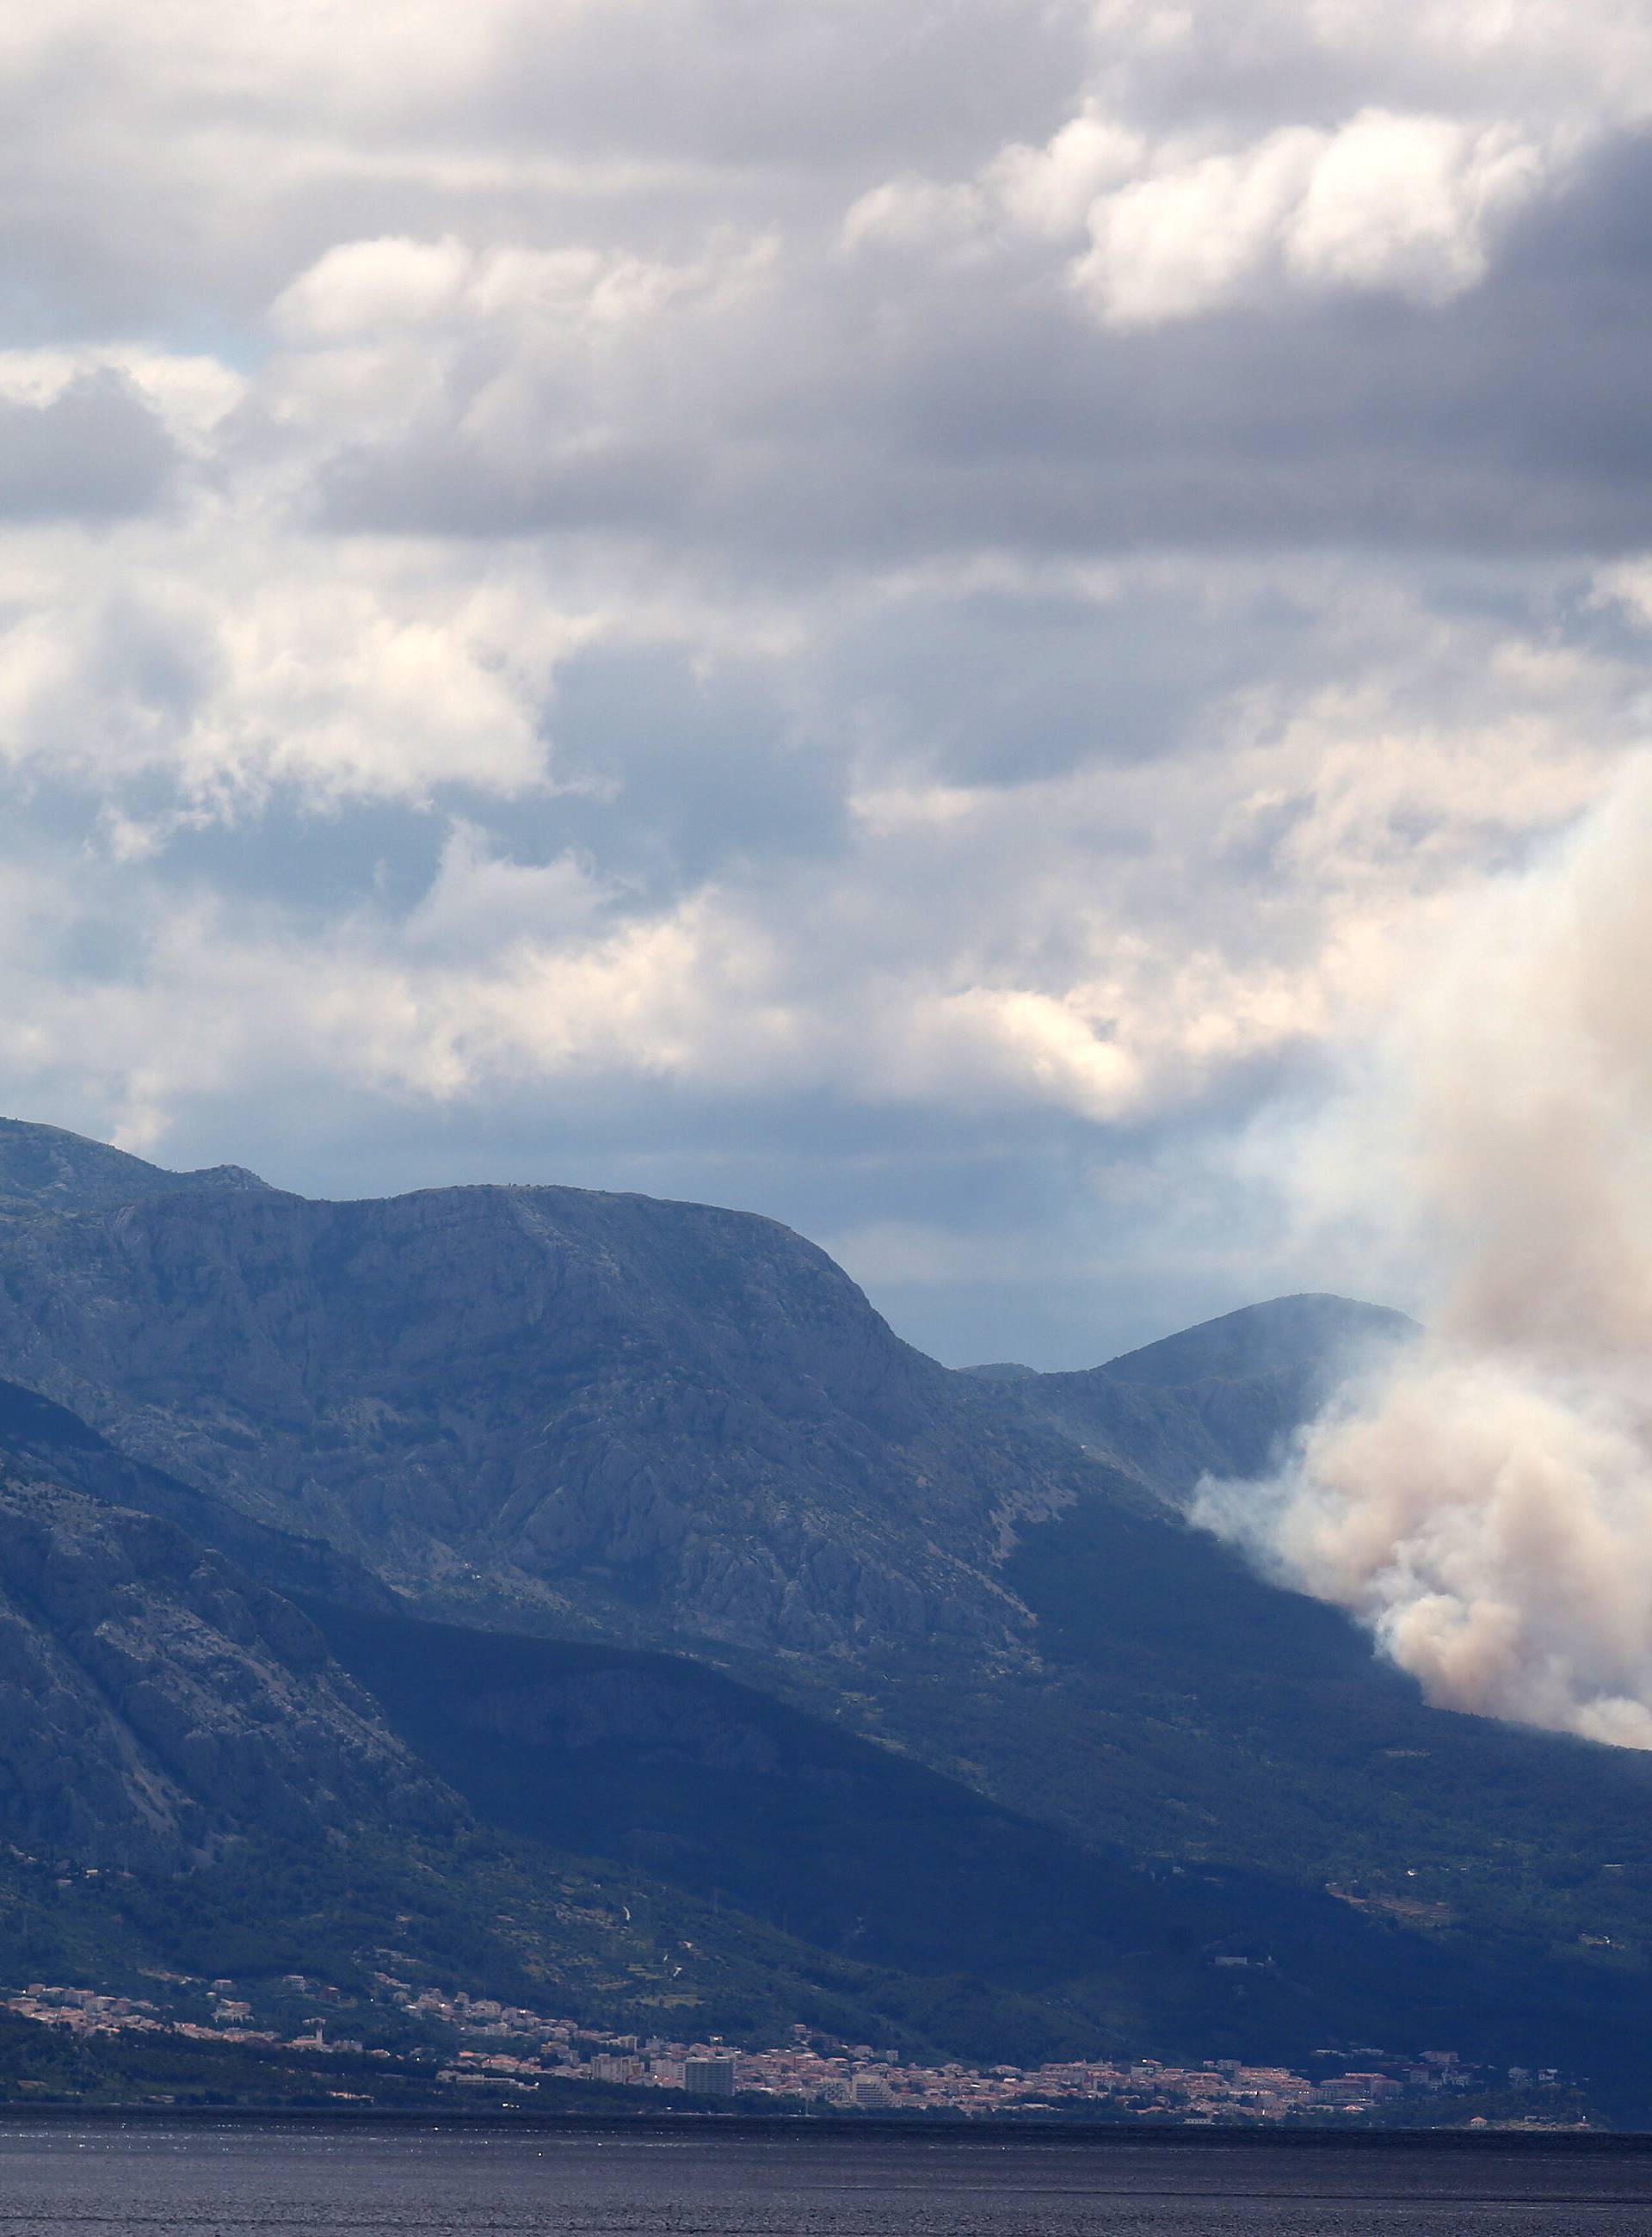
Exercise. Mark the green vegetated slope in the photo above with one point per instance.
(762, 1865)
(1194, 1716)
(640, 1425)
(190, 1783)
(665, 1765)
(496, 1916)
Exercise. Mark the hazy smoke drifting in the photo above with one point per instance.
(1483, 1499)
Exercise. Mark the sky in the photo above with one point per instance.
(918, 619)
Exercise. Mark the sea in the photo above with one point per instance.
(106, 2177)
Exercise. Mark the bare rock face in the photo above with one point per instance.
(662, 1414)
(44, 1442)
(152, 1699)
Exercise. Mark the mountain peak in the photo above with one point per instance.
(1309, 1329)
(48, 1169)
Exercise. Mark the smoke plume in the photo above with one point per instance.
(1482, 1500)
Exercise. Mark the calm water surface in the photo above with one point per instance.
(58, 2181)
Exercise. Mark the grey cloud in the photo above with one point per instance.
(313, 865)
(95, 450)
(812, 432)
(738, 82)
(438, 482)
(1014, 685)
(658, 122)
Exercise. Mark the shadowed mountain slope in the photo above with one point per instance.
(669, 1768)
(153, 1700)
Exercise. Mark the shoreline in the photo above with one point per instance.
(997, 2131)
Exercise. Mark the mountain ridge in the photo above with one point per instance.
(49, 1169)
(1221, 1398)
(694, 1409)
(601, 1419)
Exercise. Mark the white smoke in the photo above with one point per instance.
(1482, 1500)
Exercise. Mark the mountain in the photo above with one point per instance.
(1285, 1336)
(583, 1408)
(48, 1443)
(210, 1727)
(941, 1632)
(154, 1701)
(44, 1169)
(1220, 1399)
(213, 1728)
(672, 1769)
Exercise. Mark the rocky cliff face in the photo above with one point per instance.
(46, 1443)
(598, 1406)
(152, 1699)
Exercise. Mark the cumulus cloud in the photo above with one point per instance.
(226, 673)
(1483, 1502)
(1211, 165)
(361, 287)
(1051, 189)
(1086, 940)
(1406, 204)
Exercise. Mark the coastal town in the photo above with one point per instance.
(485, 2052)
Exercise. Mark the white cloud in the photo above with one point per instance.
(230, 664)
(365, 285)
(1215, 159)
(1051, 189)
(971, 948)
(1180, 240)
(913, 215)
(1406, 204)
(1409, 203)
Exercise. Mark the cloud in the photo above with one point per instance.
(1410, 203)
(1051, 189)
(229, 675)
(94, 450)
(1087, 940)
(362, 287)
(1406, 204)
